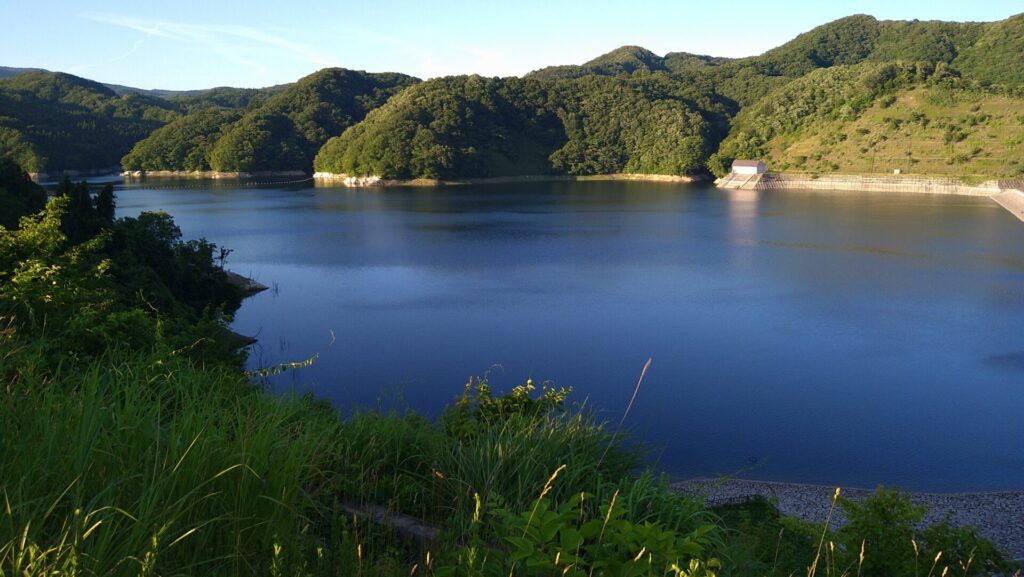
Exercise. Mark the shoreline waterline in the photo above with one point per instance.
(331, 178)
(1007, 194)
(209, 174)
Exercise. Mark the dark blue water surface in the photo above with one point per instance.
(840, 338)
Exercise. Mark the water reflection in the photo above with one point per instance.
(743, 219)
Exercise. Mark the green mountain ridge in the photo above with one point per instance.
(11, 72)
(566, 122)
(52, 121)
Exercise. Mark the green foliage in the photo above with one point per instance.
(759, 541)
(82, 279)
(285, 132)
(281, 129)
(641, 125)
(887, 525)
(54, 121)
(842, 42)
(258, 142)
(477, 407)
(150, 464)
(622, 61)
(579, 538)
(19, 196)
(931, 41)
(684, 61)
(461, 127)
(841, 92)
(451, 127)
(184, 144)
(155, 266)
(995, 57)
(224, 97)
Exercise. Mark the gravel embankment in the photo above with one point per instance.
(998, 516)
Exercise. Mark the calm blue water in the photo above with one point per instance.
(841, 338)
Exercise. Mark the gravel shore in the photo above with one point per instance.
(998, 516)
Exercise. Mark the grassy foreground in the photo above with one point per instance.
(132, 443)
(152, 464)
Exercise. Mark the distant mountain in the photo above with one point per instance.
(223, 93)
(53, 121)
(224, 97)
(8, 72)
(624, 60)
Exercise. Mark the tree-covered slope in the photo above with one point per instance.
(996, 56)
(184, 144)
(877, 117)
(643, 125)
(470, 126)
(447, 127)
(55, 121)
(224, 97)
(279, 131)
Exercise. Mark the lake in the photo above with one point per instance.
(841, 338)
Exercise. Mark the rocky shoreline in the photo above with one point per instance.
(213, 174)
(331, 178)
(56, 175)
(996, 515)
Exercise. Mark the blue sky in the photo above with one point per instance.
(189, 44)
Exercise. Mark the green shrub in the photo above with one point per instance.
(579, 538)
(887, 526)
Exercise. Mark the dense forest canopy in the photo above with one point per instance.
(468, 126)
(279, 130)
(53, 121)
(629, 110)
(185, 143)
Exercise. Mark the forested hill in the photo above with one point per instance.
(53, 121)
(876, 117)
(629, 110)
(468, 126)
(281, 132)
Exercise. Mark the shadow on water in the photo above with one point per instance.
(1008, 361)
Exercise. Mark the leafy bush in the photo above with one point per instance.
(578, 538)
(883, 537)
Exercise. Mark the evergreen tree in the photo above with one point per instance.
(19, 196)
(78, 223)
(105, 205)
